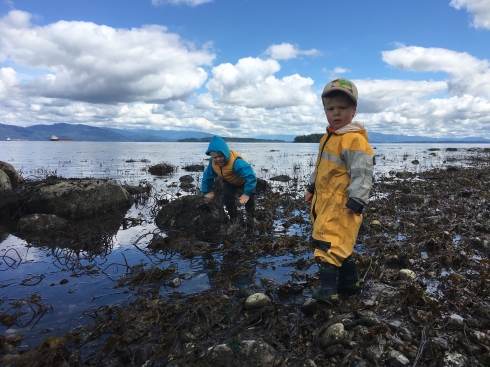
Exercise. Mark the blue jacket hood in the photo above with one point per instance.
(219, 146)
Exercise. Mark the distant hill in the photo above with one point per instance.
(44, 132)
(166, 135)
(390, 138)
(227, 139)
(80, 132)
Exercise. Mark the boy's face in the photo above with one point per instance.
(218, 159)
(339, 110)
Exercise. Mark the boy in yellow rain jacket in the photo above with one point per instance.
(339, 190)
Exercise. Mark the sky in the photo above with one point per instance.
(246, 68)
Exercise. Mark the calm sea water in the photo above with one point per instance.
(128, 162)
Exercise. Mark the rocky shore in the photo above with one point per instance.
(422, 257)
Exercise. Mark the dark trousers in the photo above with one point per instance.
(229, 198)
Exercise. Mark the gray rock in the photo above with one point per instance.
(406, 274)
(374, 353)
(456, 321)
(40, 222)
(397, 359)
(194, 214)
(75, 198)
(174, 283)
(5, 185)
(242, 354)
(334, 334)
(453, 360)
(257, 300)
(161, 169)
(479, 337)
(310, 307)
(14, 177)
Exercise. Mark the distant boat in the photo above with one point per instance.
(8, 139)
(55, 138)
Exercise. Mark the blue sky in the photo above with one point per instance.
(246, 68)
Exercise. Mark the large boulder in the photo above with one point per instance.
(14, 177)
(74, 198)
(5, 185)
(193, 215)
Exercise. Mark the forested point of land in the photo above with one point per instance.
(232, 140)
(312, 138)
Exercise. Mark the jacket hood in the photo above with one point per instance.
(219, 146)
(354, 126)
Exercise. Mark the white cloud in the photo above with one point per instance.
(376, 96)
(286, 51)
(440, 117)
(179, 2)
(467, 74)
(479, 8)
(251, 83)
(340, 70)
(100, 64)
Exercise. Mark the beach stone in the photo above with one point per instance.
(244, 353)
(5, 185)
(257, 300)
(373, 353)
(310, 306)
(453, 360)
(397, 359)
(456, 321)
(14, 177)
(406, 274)
(40, 222)
(334, 334)
(479, 337)
(174, 283)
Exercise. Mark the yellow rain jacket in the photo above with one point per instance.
(342, 176)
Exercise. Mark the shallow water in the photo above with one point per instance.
(26, 270)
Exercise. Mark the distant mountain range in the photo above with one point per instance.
(90, 133)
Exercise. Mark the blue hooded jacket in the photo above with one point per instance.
(240, 167)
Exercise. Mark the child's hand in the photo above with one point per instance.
(209, 195)
(243, 199)
(350, 211)
(308, 196)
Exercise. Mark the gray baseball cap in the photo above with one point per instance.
(343, 85)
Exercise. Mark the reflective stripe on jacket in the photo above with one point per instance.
(342, 176)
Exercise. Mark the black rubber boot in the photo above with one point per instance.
(328, 288)
(348, 279)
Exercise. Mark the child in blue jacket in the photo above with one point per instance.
(235, 172)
